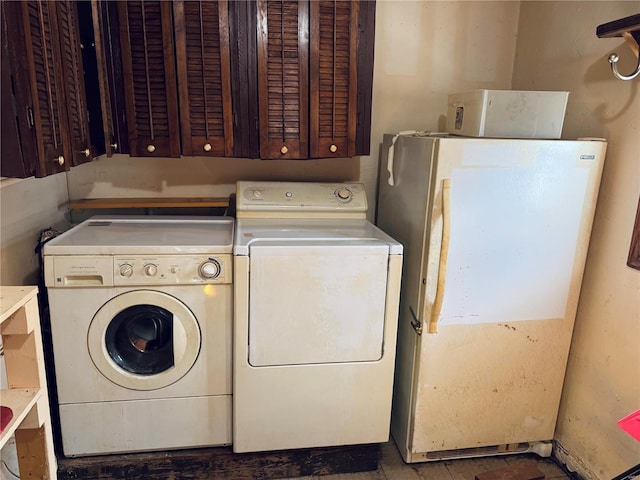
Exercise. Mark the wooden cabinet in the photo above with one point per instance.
(333, 80)
(27, 394)
(149, 75)
(276, 79)
(283, 78)
(310, 57)
(42, 66)
(171, 60)
(204, 77)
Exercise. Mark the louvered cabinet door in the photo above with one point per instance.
(71, 55)
(333, 78)
(283, 78)
(18, 146)
(148, 61)
(204, 67)
(106, 28)
(47, 108)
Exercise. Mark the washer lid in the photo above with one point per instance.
(286, 232)
(133, 234)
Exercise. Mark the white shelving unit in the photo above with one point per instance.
(27, 393)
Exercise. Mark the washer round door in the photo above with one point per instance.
(144, 340)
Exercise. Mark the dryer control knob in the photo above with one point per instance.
(210, 269)
(343, 194)
(150, 270)
(126, 270)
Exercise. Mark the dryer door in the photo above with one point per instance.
(144, 340)
(314, 302)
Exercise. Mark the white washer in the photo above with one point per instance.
(141, 320)
(316, 307)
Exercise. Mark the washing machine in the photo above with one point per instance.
(141, 320)
(316, 309)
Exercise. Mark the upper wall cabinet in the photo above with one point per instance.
(315, 71)
(171, 61)
(204, 83)
(283, 78)
(276, 79)
(149, 75)
(44, 110)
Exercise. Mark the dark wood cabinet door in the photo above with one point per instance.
(283, 78)
(18, 147)
(204, 83)
(333, 78)
(106, 34)
(73, 78)
(148, 61)
(36, 61)
(366, 41)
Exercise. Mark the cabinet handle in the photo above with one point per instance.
(86, 152)
(207, 147)
(114, 146)
(59, 160)
(333, 148)
(284, 150)
(151, 148)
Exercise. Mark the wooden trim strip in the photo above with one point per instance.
(175, 202)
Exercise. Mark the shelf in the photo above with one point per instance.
(617, 28)
(179, 202)
(27, 393)
(20, 401)
(13, 298)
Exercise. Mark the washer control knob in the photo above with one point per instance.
(150, 270)
(126, 270)
(344, 194)
(210, 269)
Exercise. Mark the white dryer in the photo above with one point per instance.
(316, 307)
(141, 320)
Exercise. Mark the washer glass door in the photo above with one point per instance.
(144, 340)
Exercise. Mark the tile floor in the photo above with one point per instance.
(392, 467)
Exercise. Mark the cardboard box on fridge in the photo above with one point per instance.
(506, 113)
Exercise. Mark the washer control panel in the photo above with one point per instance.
(183, 269)
(329, 200)
(119, 270)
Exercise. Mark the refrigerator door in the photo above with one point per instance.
(501, 293)
(402, 209)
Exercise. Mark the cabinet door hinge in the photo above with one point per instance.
(415, 323)
(30, 119)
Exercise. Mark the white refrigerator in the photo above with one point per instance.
(495, 235)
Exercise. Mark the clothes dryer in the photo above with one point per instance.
(316, 306)
(141, 319)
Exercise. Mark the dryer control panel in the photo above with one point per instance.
(106, 270)
(300, 199)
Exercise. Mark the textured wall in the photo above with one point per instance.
(603, 378)
(27, 207)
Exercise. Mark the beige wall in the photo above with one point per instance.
(426, 50)
(123, 176)
(27, 206)
(558, 50)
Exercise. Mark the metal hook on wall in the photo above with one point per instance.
(613, 60)
(629, 29)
